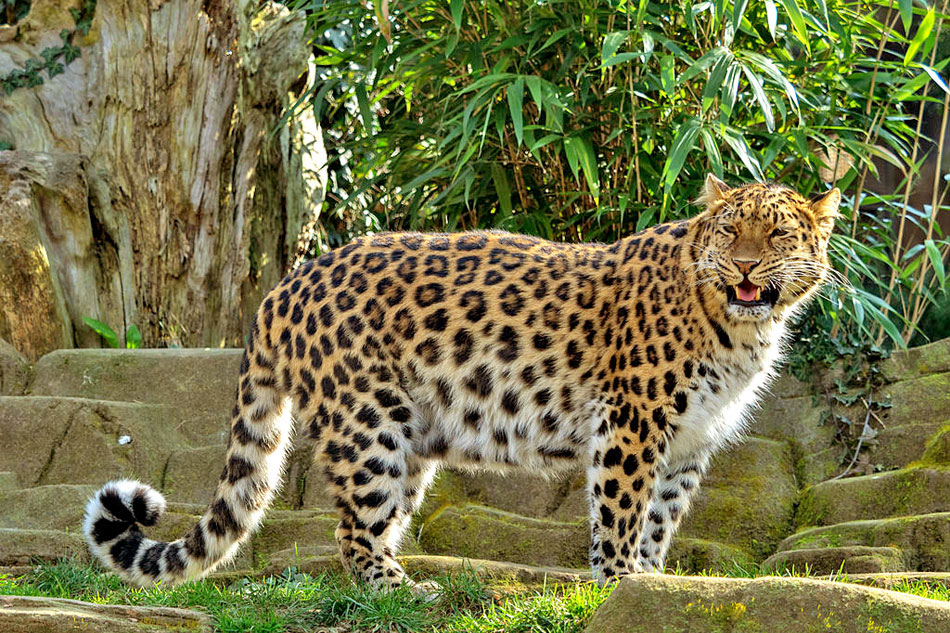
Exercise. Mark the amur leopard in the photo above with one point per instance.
(402, 353)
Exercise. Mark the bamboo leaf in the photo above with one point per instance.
(515, 99)
(456, 7)
(365, 113)
(771, 16)
(683, 144)
(907, 13)
(738, 9)
(937, 262)
(798, 22)
(923, 32)
(764, 105)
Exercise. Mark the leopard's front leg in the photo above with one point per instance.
(620, 478)
(676, 485)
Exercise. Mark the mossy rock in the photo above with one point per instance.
(15, 372)
(919, 361)
(923, 539)
(798, 420)
(478, 532)
(748, 498)
(492, 572)
(672, 604)
(25, 546)
(199, 384)
(937, 450)
(23, 614)
(879, 496)
(697, 555)
(829, 560)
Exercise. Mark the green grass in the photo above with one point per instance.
(299, 602)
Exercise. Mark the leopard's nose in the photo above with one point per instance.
(745, 266)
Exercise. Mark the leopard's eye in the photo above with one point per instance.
(779, 232)
(728, 228)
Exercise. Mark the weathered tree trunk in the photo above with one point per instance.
(146, 185)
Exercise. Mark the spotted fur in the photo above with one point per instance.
(401, 353)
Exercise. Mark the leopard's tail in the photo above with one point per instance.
(261, 430)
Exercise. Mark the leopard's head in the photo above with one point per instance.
(762, 249)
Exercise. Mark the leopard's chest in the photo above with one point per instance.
(722, 396)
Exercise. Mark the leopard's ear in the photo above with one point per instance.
(713, 191)
(825, 210)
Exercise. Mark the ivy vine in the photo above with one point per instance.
(55, 58)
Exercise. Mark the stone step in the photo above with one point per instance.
(47, 440)
(192, 475)
(889, 580)
(198, 383)
(486, 533)
(889, 494)
(26, 546)
(933, 358)
(921, 408)
(757, 469)
(292, 532)
(937, 451)
(923, 538)
(27, 614)
(857, 559)
(717, 605)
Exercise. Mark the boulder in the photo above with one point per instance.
(28, 614)
(830, 560)
(923, 539)
(198, 384)
(879, 496)
(15, 372)
(673, 604)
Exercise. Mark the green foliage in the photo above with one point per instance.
(53, 59)
(133, 337)
(588, 120)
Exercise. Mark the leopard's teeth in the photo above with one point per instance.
(758, 293)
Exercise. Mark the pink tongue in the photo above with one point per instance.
(746, 294)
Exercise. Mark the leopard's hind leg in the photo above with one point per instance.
(366, 451)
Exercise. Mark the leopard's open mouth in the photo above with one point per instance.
(749, 295)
